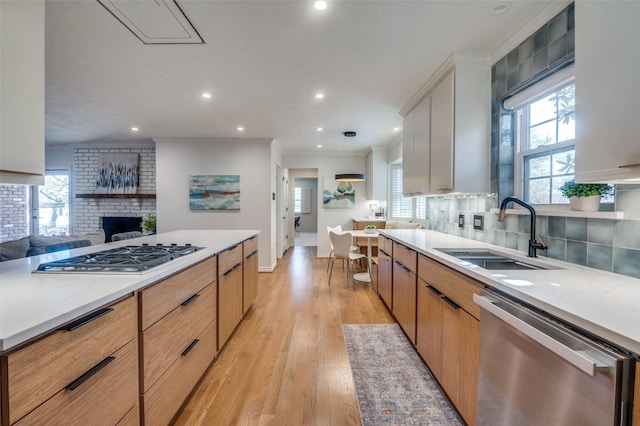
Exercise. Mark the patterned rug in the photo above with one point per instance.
(393, 385)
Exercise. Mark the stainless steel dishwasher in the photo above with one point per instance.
(535, 370)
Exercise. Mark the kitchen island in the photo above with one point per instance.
(70, 342)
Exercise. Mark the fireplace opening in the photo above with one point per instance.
(117, 224)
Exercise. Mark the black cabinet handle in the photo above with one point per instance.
(402, 266)
(451, 303)
(189, 300)
(86, 376)
(191, 346)
(232, 269)
(252, 254)
(434, 290)
(85, 319)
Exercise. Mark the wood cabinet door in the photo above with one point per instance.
(429, 327)
(460, 359)
(385, 288)
(404, 299)
(636, 398)
(250, 284)
(229, 303)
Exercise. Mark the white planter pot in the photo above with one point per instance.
(585, 204)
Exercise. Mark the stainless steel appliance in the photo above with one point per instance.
(538, 370)
(127, 259)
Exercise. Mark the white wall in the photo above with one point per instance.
(327, 167)
(177, 159)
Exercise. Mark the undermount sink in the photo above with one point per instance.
(489, 260)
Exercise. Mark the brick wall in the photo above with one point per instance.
(87, 212)
(14, 211)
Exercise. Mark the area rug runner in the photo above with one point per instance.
(393, 386)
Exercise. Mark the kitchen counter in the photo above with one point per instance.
(34, 303)
(602, 303)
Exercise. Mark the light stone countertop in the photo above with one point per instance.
(34, 303)
(602, 303)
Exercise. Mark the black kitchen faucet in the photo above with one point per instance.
(534, 244)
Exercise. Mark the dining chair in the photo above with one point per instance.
(342, 244)
(338, 230)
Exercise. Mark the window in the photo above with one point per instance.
(545, 133)
(401, 207)
(297, 199)
(53, 204)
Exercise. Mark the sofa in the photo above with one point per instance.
(34, 245)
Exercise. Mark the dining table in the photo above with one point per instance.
(364, 276)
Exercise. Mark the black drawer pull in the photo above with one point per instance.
(191, 346)
(434, 290)
(85, 319)
(86, 376)
(189, 300)
(252, 254)
(402, 266)
(232, 269)
(451, 303)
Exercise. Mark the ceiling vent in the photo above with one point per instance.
(154, 21)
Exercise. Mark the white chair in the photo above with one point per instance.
(342, 244)
(338, 230)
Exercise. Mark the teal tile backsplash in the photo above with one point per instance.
(607, 244)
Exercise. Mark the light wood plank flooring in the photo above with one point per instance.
(287, 363)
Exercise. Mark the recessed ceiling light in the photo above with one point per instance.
(319, 146)
(134, 129)
(319, 95)
(240, 128)
(206, 95)
(320, 4)
(501, 8)
(319, 129)
(396, 129)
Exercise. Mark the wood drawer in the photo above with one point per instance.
(103, 399)
(454, 285)
(162, 297)
(132, 418)
(164, 341)
(166, 396)
(229, 258)
(40, 370)
(382, 243)
(250, 246)
(406, 256)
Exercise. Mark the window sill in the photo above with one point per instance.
(565, 213)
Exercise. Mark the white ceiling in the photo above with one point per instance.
(262, 61)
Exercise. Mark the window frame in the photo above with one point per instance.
(521, 136)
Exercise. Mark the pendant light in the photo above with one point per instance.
(350, 177)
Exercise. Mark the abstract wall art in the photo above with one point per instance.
(338, 195)
(118, 174)
(214, 192)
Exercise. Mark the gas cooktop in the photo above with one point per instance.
(127, 259)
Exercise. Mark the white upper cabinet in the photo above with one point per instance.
(416, 165)
(607, 77)
(377, 174)
(22, 92)
(458, 156)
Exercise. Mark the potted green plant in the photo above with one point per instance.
(585, 196)
(370, 229)
(149, 223)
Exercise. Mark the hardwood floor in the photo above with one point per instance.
(287, 363)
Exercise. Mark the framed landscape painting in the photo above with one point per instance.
(338, 195)
(214, 192)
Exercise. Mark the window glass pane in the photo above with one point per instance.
(539, 190)
(297, 200)
(401, 207)
(421, 208)
(564, 162)
(539, 166)
(542, 134)
(556, 196)
(567, 127)
(542, 110)
(53, 201)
